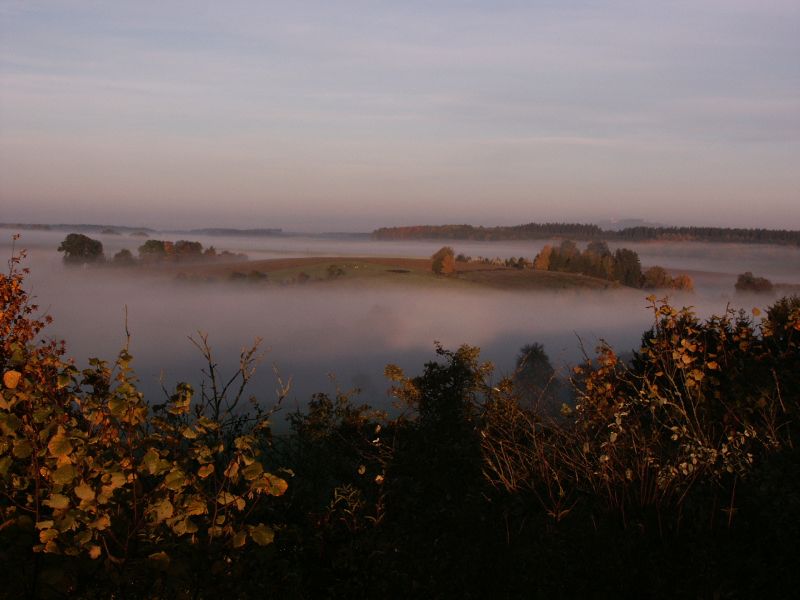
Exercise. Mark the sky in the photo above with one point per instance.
(350, 115)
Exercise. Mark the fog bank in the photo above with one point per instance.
(314, 331)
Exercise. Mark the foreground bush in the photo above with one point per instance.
(94, 480)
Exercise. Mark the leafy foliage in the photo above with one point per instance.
(80, 249)
(89, 471)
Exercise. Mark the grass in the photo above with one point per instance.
(381, 271)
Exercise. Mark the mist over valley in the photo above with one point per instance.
(323, 336)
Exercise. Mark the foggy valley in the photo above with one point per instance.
(321, 337)
(523, 277)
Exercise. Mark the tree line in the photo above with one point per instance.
(535, 231)
(597, 260)
(681, 459)
(80, 249)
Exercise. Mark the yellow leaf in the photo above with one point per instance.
(277, 486)
(175, 480)
(162, 510)
(46, 535)
(226, 498)
(64, 474)
(57, 501)
(59, 444)
(239, 539)
(189, 433)
(11, 379)
(205, 471)
(94, 552)
(233, 470)
(102, 522)
(196, 506)
(84, 492)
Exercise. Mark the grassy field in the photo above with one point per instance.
(378, 271)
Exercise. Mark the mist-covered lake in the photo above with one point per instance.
(323, 336)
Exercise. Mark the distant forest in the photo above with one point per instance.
(582, 231)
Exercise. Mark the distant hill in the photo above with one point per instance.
(75, 228)
(530, 231)
(580, 231)
(236, 232)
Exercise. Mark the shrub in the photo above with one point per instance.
(90, 472)
(747, 282)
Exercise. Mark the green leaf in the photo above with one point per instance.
(162, 510)
(262, 534)
(175, 480)
(22, 449)
(63, 380)
(59, 444)
(184, 526)
(64, 474)
(9, 423)
(150, 461)
(252, 471)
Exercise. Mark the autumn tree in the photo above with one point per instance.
(656, 277)
(444, 261)
(542, 260)
(683, 283)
